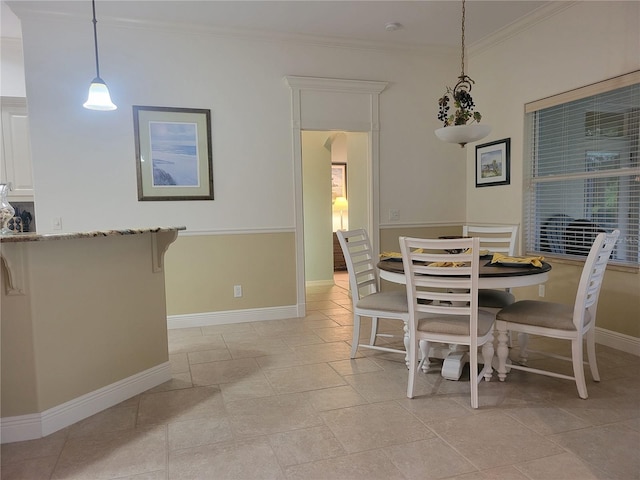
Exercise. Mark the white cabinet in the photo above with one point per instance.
(15, 154)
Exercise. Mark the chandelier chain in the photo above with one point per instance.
(462, 56)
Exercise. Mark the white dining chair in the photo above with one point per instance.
(575, 323)
(368, 300)
(495, 239)
(442, 293)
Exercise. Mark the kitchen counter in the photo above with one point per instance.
(83, 325)
(35, 237)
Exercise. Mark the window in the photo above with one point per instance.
(582, 170)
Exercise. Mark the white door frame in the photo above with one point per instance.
(334, 104)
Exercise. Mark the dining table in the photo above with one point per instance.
(491, 276)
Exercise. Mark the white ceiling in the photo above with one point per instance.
(424, 22)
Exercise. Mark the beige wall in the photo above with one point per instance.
(583, 44)
(316, 191)
(202, 270)
(93, 313)
(19, 392)
(358, 179)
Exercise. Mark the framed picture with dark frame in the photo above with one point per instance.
(493, 163)
(173, 153)
(338, 180)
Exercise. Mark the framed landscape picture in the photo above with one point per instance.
(173, 153)
(338, 180)
(493, 163)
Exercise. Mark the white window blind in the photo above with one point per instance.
(583, 173)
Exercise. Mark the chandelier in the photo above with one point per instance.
(463, 125)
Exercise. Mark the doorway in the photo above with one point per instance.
(335, 196)
(330, 104)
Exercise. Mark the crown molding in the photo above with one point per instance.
(238, 33)
(539, 15)
(546, 11)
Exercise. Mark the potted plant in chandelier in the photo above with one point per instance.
(462, 101)
(463, 125)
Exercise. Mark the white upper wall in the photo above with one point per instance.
(12, 68)
(84, 161)
(11, 61)
(580, 45)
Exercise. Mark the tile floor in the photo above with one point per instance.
(281, 400)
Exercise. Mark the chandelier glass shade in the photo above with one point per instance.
(99, 98)
(463, 134)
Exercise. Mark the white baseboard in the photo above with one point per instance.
(619, 341)
(234, 316)
(320, 283)
(38, 425)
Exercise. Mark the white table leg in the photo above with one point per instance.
(453, 365)
(487, 355)
(503, 353)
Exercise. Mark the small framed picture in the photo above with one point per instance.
(493, 163)
(338, 180)
(173, 153)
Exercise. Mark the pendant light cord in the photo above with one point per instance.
(95, 37)
(462, 61)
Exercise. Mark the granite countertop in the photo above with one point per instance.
(34, 237)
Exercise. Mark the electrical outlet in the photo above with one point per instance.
(394, 215)
(541, 290)
(56, 224)
(237, 291)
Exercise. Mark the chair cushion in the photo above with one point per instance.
(455, 324)
(541, 314)
(495, 298)
(390, 301)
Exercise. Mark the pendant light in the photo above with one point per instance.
(459, 127)
(99, 98)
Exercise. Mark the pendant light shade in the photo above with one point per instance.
(463, 134)
(98, 98)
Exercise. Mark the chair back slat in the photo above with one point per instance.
(593, 276)
(496, 239)
(358, 255)
(442, 290)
